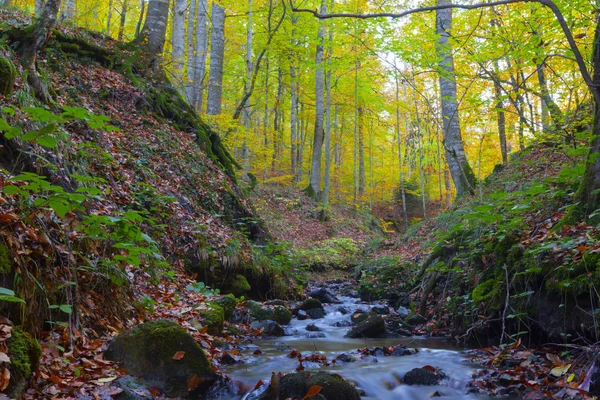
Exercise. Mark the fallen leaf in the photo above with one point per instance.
(194, 382)
(560, 371)
(312, 392)
(179, 355)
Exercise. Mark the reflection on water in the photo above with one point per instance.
(377, 376)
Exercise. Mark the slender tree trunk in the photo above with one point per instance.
(277, 122)
(124, 9)
(314, 189)
(109, 18)
(327, 178)
(217, 52)
(501, 118)
(400, 158)
(41, 33)
(178, 40)
(462, 174)
(294, 104)
(138, 28)
(246, 111)
(192, 55)
(447, 183)
(154, 32)
(266, 119)
(361, 154)
(201, 53)
(421, 156)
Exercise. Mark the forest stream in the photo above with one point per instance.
(376, 374)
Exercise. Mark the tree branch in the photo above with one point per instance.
(547, 3)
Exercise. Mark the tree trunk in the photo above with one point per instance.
(361, 154)
(41, 33)
(277, 122)
(217, 52)
(314, 189)
(124, 9)
(400, 158)
(178, 40)
(294, 105)
(462, 174)
(109, 18)
(250, 66)
(139, 23)
(501, 118)
(192, 56)
(154, 32)
(327, 177)
(201, 51)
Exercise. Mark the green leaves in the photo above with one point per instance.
(9, 295)
(66, 308)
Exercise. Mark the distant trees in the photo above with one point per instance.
(217, 52)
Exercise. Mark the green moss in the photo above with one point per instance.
(5, 260)
(333, 387)
(279, 314)
(310, 304)
(214, 317)
(485, 290)
(228, 303)
(24, 352)
(8, 75)
(240, 285)
(147, 351)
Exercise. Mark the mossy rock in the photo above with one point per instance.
(5, 260)
(372, 327)
(147, 351)
(228, 303)
(279, 314)
(214, 317)
(310, 304)
(333, 387)
(24, 352)
(8, 75)
(240, 285)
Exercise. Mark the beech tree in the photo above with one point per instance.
(153, 34)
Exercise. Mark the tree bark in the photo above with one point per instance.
(192, 56)
(400, 158)
(462, 174)
(314, 189)
(217, 52)
(124, 9)
(327, 177)
(153, 34)
(501, 118)
(41, 33)
(39, 6)
(109, 17)
(138, 28)
(294, 105)
(178, 40)
(201, 51)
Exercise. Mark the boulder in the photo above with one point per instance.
(333, 387)
(324, 296)
(422, 376)
(358, 317)
(316, 313)
(380, 309)
(341, 324)
(239, 285)
(310, 304)
(147, 351)
(24, 353)
(415, 319)
(268, 328)
(214, 316)
(228, 304)
(372, 327)
(315, 335)
(279, 314)
(403, 312)
(313, 328)
(342, 310)
(302, 315)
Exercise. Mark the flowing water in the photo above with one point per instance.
(376, 376)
